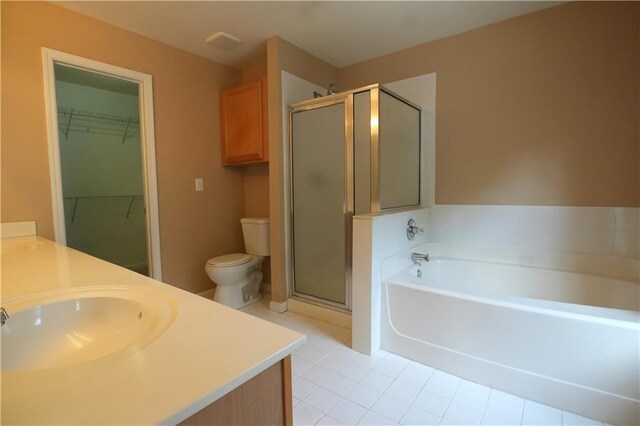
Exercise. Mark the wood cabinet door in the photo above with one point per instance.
(243, 113)
(264, 400)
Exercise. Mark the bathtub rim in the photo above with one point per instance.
(567, 270)
(609, 265)
(596, 314)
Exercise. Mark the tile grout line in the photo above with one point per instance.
(376, 400)
(394, 379)
(486, 404)
(419, 391)
(450, 401)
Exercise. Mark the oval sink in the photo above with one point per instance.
(74, 327)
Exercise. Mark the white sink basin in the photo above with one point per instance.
(67, 328)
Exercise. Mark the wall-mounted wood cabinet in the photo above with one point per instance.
(243, 124)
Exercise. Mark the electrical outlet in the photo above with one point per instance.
(199, 184)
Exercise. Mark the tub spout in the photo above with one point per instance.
(417, 257)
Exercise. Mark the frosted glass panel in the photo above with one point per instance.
(319, 220)
(399, 182)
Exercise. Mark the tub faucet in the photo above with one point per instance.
(417, 257)
(4, 316)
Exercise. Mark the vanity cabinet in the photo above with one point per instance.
(243, 124)
(242, 377)
(264, 400)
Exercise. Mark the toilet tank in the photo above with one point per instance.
(256, 235)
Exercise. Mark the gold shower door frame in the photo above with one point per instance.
(348, 203)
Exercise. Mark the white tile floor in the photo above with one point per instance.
(334, 385)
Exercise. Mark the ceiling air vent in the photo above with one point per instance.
(223, 40)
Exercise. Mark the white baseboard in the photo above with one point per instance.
(207, 294)
(18, 229)
(341, 319)
(279, 307)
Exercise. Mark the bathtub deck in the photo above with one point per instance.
(335, 385)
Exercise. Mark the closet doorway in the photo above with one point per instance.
(102, 161)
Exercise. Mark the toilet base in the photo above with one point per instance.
(237, 285)
(240, 294)
(233, 297)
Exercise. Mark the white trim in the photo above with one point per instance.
(278, 307)
(147, 137)
(319, 312)
(51, 108)
(17, 229)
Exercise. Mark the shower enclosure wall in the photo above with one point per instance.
(355, 152)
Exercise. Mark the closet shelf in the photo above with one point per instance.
(76, 201)
(77, 120)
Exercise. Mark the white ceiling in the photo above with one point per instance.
(340, 32)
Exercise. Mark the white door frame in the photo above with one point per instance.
(147, 139)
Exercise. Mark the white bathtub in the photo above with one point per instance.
(565, 339)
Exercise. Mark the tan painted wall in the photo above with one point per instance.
(256, 176)
(298, 62)
(541, 109)
(256, 68)
(194, 226)
(256, 201)
(256, 190)
(284, 56)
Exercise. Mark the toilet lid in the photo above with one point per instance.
(229, 259)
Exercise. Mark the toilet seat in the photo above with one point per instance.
(227, 260)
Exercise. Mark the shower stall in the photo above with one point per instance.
(351, 153)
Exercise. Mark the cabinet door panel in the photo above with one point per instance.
(243, 124)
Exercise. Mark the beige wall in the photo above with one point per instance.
(541, 109)
(284, 56)
(194, 226)
(256, 190)
(256, 177)
(256, 201)
(255, 68)
(296, 61)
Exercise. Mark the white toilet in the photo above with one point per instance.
(238, 275)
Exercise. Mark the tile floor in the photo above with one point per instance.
(334, 385)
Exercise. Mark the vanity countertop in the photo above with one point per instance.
(207, 350)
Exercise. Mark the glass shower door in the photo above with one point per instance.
(321, 156)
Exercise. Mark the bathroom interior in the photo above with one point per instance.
(429, 217)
